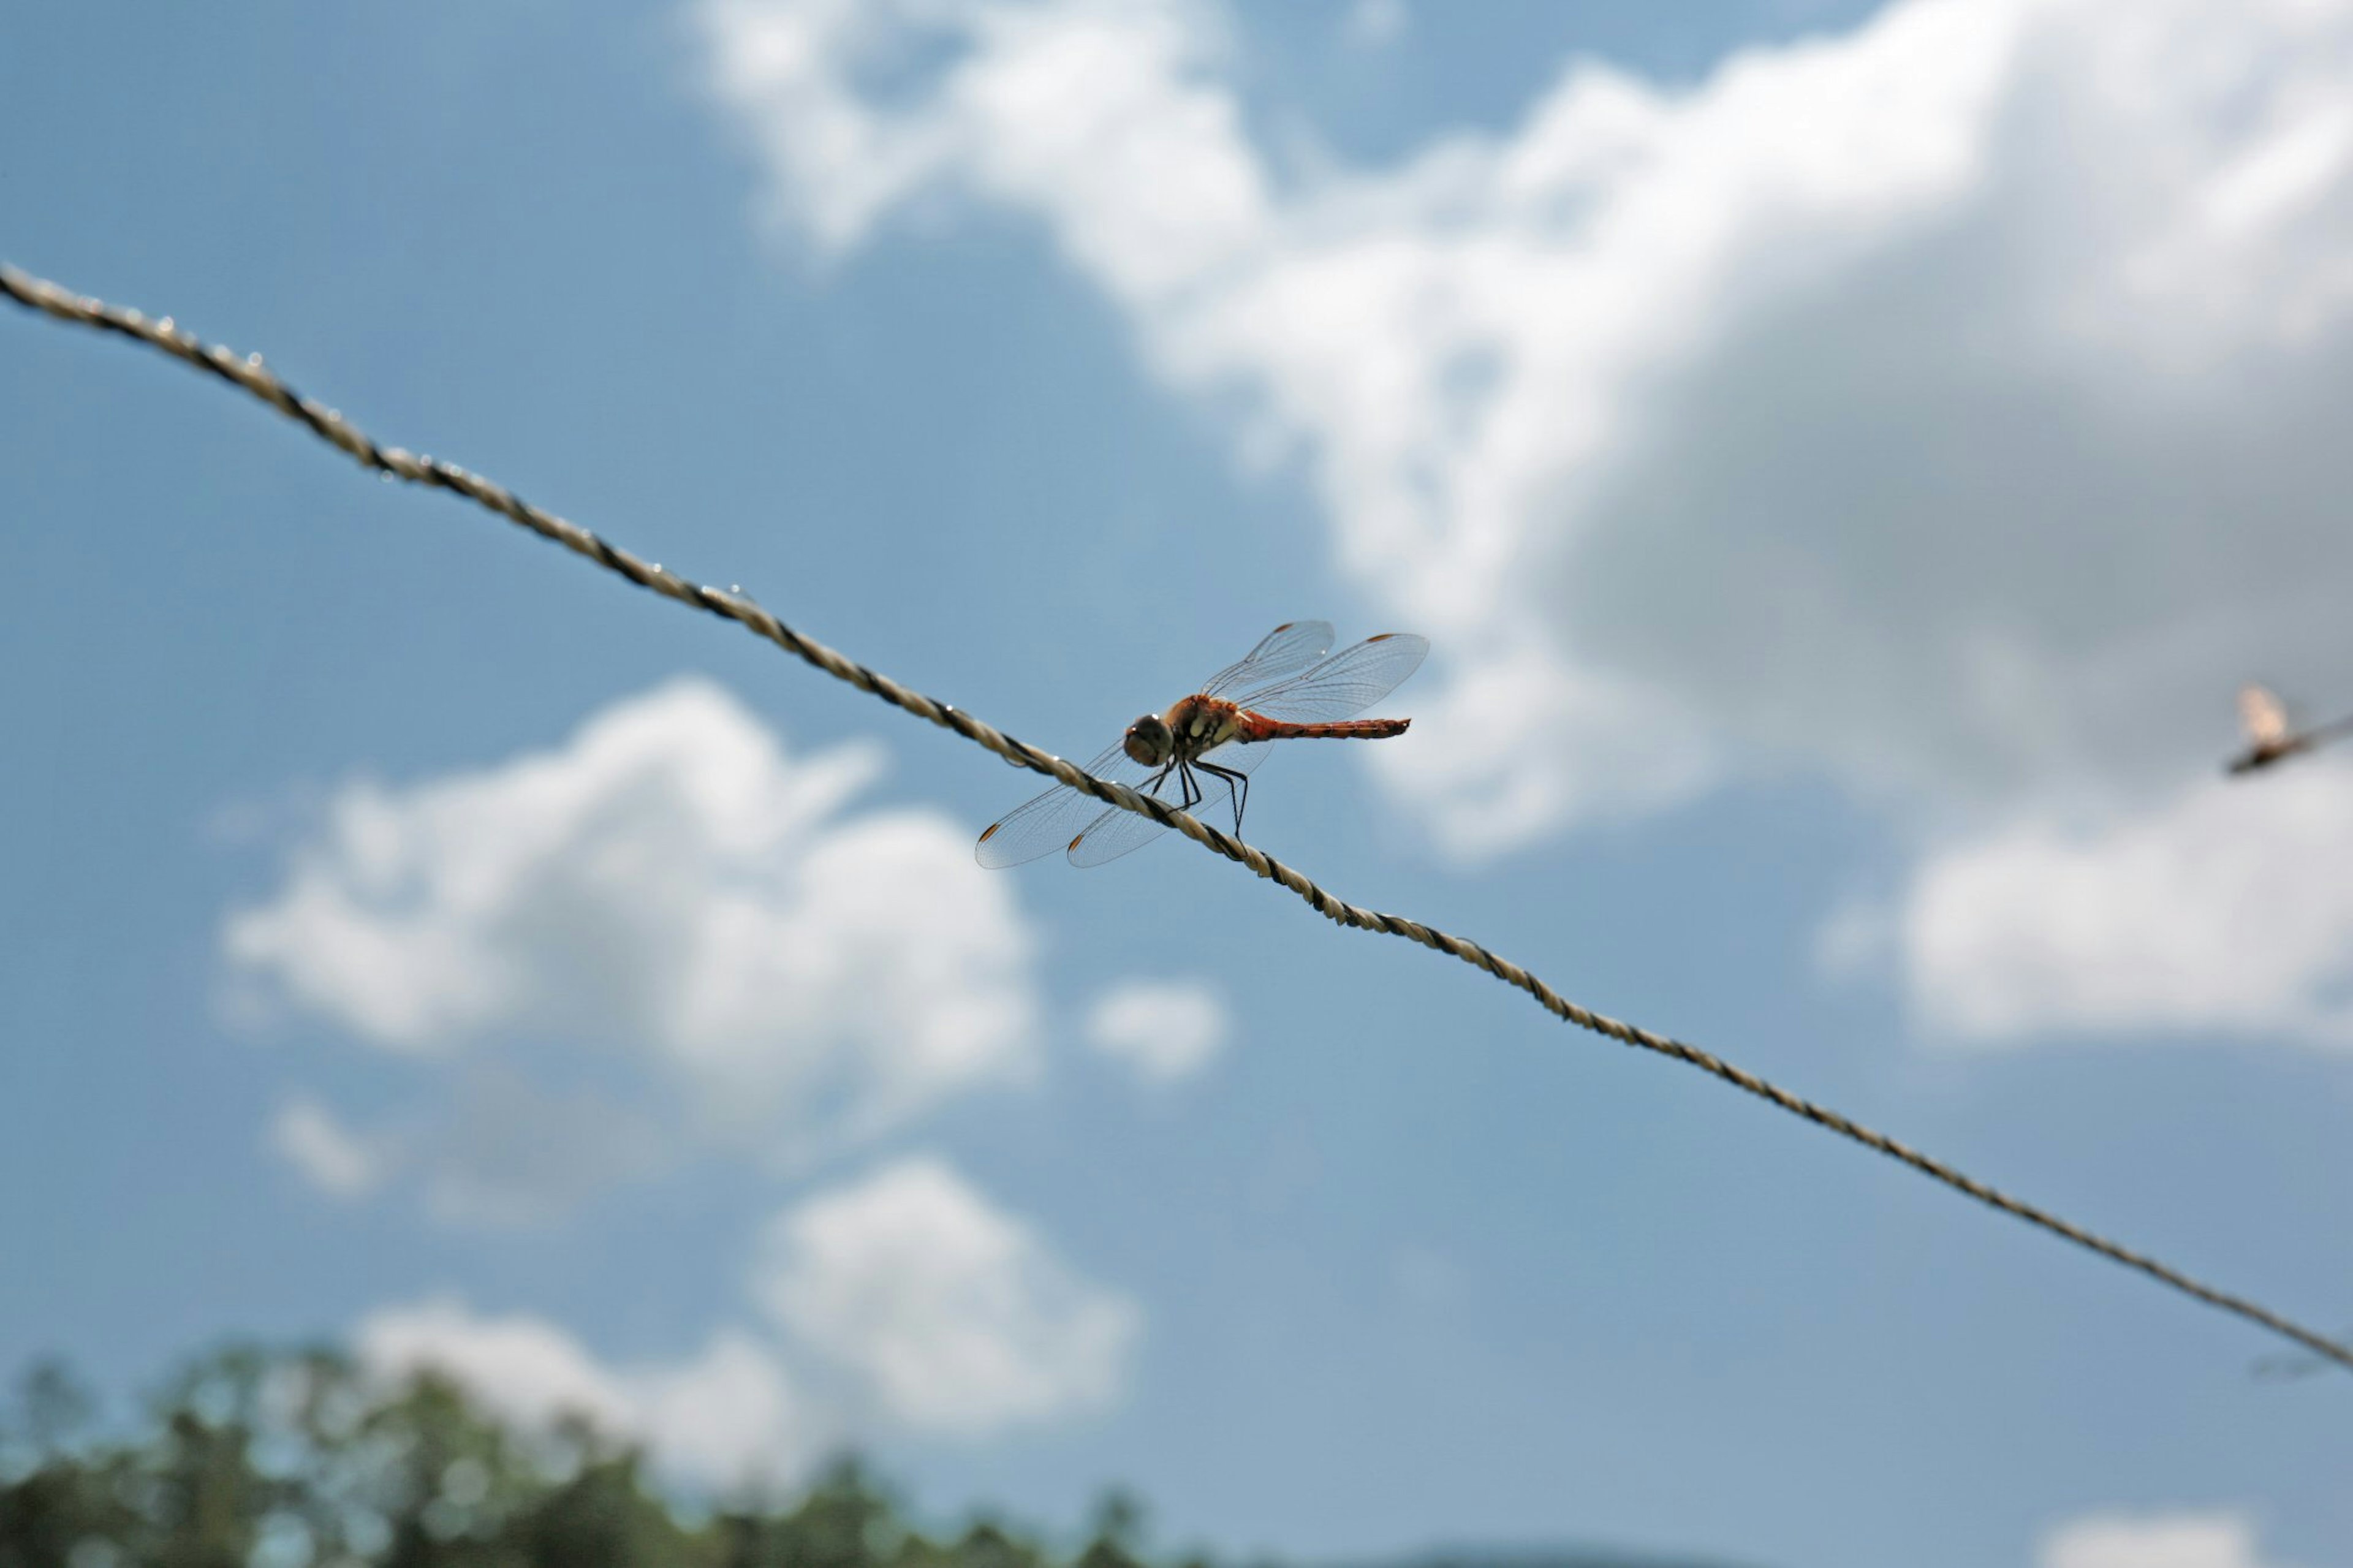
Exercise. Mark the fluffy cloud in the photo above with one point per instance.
(674, 888)
(1935, 403)
(1947, 408)
(727, 1415)
(942, 1312)
(1165, 1030)
(2153, 1540)
(904, 1302)
(2203, 913)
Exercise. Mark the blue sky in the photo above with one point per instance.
(1845, 459)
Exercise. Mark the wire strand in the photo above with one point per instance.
(249, 374)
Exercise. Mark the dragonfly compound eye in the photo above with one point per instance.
(1149, 741)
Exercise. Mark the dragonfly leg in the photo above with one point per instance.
(1192, 787)
(1237, 789)
(1151, 786)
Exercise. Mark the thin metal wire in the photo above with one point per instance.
(250, 375)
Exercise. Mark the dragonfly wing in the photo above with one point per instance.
(1047, 821)
(1239, 757)
(1118, 831)
(1343, 685)
(2266, 719)
(1282, 653)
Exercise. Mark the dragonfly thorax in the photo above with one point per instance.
(1193, 725)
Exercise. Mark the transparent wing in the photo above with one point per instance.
(2261, 712)
(1235, 756)
(1116, 833)
(1343, 685)
(1047, 821)
(1281, 654)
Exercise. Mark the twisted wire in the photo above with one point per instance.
(249, 374)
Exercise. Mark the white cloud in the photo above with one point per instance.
(1166, 1030)
(522, 1367)
(672, 887)
(1947, 408)
(946, 1314)
(2219, 1539)
(330, 1155)
(730, 1413)
(1083, 107)
(2203, 913)
(907, 1303)
(727, 1415)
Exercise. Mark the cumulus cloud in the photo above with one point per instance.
(2203, 913)
(725, 1417)
(675, 890)
(1942, 403)
(1166, 1030)
(1946, 408)
(941, 1310)
(905, 1302)
(519, 1366)
(2220, 1540)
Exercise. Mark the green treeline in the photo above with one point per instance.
(252, 1461)
(248, 1459)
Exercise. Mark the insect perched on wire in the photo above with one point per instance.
(2270, 738)
(1283, 690)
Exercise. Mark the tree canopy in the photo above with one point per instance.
(248, 1459)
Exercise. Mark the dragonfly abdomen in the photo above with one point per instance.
(1259, 727)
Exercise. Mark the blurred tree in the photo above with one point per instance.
(250, 1459)
(302, 1460)
(1118, 1531)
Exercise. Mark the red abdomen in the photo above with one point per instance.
(1259, 727)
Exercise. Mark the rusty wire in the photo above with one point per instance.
(249, 374)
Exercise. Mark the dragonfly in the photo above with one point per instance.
(1289, 687)
(2270, 738)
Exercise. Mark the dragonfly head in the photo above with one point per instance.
(1150, 740)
